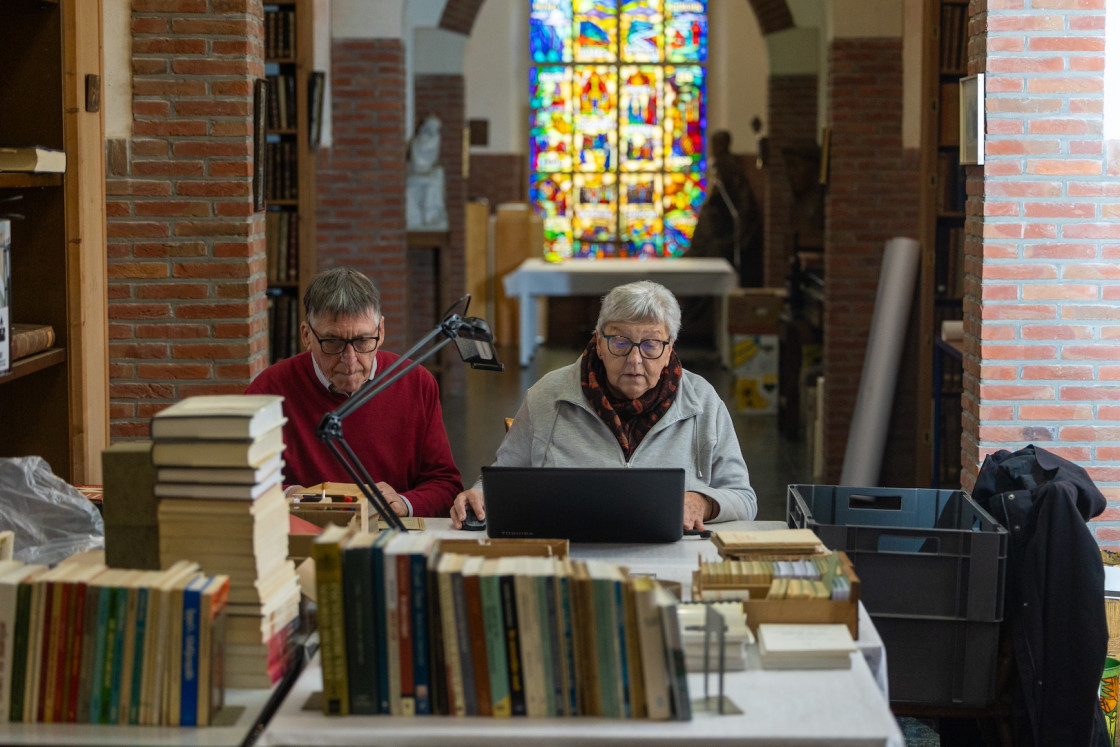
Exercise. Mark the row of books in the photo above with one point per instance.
(282, 245)
(282, 173)
(950, 262)
(405, 630)
(954, 37)
(84, 643)
(279, 33)
(283, 324)
(219, 463)
(281, 101)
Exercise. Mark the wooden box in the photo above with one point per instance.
(762, 610)
(505, 548)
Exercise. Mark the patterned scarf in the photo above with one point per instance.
(628, 419)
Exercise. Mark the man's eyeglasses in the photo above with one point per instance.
(335, 345)
(621, 346)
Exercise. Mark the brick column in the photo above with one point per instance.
(1042, 285)
(186, 250)
(361, 177)
(872, 197)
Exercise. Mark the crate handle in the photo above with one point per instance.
(875, 502)
(908, 544)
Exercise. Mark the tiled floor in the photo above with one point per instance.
(475, 426)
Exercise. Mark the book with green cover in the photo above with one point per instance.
(491, 597)
(326, 551)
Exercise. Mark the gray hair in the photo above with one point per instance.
(341, 292)
(643, 301)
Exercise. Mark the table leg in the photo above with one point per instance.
(527, 328)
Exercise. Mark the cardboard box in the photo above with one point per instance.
(755, 310)
(754, 360)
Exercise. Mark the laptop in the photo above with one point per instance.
(583, 504)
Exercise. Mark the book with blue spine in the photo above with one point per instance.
(421, 662)
(191, 631)
(138, 654)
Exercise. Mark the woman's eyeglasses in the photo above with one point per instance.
(335, 345)
(621, 346)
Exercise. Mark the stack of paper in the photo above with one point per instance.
(805, 646)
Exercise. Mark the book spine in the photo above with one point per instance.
(405, 634)
(381, 654)
(421, 665)
(20, 640)
(606, 645)
(89, 647)
(495, 646)
(674, 662)
(550, 644)
(9, 610)
(392, 633)
(568, 645)
(28, 339)
(476, 633)
(529, 635)
(120, 625)
(466, 656)
(332, 633)
(453, 672)
(54, 617)
(513, 645)
(360, 629)
(138, 646)
(72, 661)
(188, 674)
(621, 647)
(437, 665)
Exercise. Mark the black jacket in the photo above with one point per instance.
(1054, 601)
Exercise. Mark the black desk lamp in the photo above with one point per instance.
(475, 342)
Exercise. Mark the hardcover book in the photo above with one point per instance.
(34, 158)
(220, 416)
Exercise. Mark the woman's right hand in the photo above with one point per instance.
(459, 507)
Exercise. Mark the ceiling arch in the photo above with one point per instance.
(773, 15)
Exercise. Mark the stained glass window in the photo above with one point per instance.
(617, 129)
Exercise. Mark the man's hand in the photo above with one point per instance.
(393, 498)
(695, 510)
(459, 507)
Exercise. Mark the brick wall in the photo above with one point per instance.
(1044, 221)
(872, 197)
(793, 127)
(360, 179)
(498, 178)
(186, 251)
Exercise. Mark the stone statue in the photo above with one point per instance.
(425, 206)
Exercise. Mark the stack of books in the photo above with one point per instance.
(405, 630)
(84, 643)
(221, 504)
(805, 646)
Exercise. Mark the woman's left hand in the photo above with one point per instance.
(695, 509)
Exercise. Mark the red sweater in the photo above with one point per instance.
(398, 435)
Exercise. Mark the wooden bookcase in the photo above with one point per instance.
(944, 63)
(290, 168)
(55, 404)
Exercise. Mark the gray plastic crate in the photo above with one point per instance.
(931, 565)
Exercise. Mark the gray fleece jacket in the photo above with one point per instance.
(556, 427)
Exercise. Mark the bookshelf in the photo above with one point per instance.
(944, 63)
(49, 96)
(290, 168)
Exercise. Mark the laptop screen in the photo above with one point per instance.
(585, 505)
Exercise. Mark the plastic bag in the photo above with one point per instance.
(51, 519)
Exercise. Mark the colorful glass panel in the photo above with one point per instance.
(640, 214)
(617, 153)
(550, 31)
(596, 30)
(550, 127)
(639, 124)
(685, 118)
(686, 31)
(596, 134)
(680, 206)
(552, 196)
(642, 31)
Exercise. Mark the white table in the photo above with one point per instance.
(685, 276)
(827, 707)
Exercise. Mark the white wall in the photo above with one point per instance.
(117, 78)
(496, 73)
(738, 69)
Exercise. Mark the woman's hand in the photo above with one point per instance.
(696, 509)
(459, 507)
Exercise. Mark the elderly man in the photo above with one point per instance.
(628, 402)
(398, 436)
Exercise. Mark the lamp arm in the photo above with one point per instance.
(361, 477)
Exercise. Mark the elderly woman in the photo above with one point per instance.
(628, 402)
